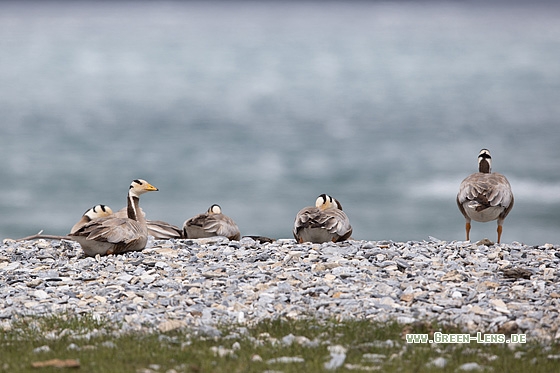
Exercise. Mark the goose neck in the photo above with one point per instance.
(133, 209)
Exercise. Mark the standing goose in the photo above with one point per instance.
(211, 223)
(485, 196)
(114, 235)
(160, 230)
(97, 211)
(323, 222)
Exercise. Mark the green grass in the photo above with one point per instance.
(98, 348)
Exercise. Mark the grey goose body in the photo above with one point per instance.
(485, 195)
(324, 222)
(211, 223)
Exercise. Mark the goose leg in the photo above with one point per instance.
(468, 229)
(499, 233)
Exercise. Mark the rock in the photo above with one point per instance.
(469, 367)
(209, 282)
(286, 360)
(338, 355)
(439, 362)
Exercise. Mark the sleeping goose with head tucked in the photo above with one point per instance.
(114, 235)
(211, 223)
(485, 195)
(324, 222)
(97, 211)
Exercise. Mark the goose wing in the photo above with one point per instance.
(208, 225)
(307, 217)
(84, 219)
(333, 220)
(488, 190)
(124, 233)
(222, 225)
(162, 230)
(196, 221)
(336, 222)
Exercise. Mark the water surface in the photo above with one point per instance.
(261, 107)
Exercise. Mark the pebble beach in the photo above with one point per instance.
(478, 287)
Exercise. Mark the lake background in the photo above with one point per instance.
(262, 106)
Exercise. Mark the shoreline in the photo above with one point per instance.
(505, 288)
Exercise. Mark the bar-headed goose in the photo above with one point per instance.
(97, 211)
(485, 196)
(114, 235)
(211, 223)
(160, 230)
(323, 222)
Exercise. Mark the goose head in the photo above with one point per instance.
(214, 209)
(98, 211)
(139, 186)
(484, 161)
(325, 201)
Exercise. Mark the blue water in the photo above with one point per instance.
(261, 107)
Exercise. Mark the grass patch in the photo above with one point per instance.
(272, 345)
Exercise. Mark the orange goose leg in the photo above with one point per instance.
(499, 233)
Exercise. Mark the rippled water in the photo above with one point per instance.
(261, 107)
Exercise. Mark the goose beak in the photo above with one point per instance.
(151, 188)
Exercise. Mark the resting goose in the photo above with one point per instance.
(323, 222)
(114, 235)
(485, 196)
(160, 230)
(211, 223)
(97, 211)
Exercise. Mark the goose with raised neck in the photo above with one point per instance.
(114, 235)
